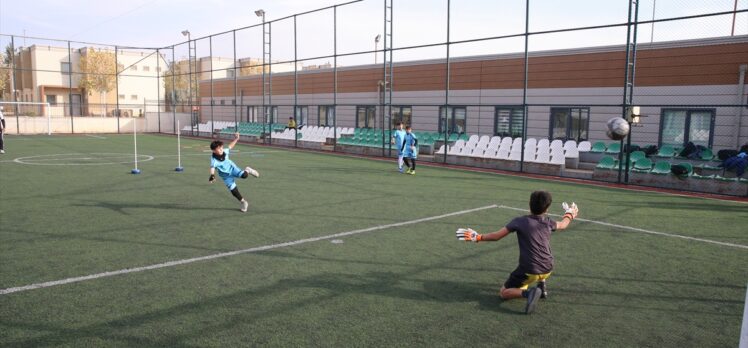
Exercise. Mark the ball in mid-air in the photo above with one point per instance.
(618, 128)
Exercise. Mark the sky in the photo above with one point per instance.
(158, 23)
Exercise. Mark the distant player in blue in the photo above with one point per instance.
(398, 137)
(228, 170)
(410, 150)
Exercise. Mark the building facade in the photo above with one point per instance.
(688, 91)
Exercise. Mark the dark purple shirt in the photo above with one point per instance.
(534, 238)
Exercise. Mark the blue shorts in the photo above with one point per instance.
(228, 180)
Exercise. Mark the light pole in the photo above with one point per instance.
(376, 43)
(261, 13)
(189, 68)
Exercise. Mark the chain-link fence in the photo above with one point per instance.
(520, 86)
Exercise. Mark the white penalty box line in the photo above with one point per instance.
(332, 236)
(232, 253)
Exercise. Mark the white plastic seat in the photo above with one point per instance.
(531, 143)
(584, 146)
(558, 160)
(495, 142)
(506, 141)
(517, 143)
(515, 155)
(502, 154)
(570, 144)
(544, 157)
(557, 144)
(529, 155)
(572, 153)
(543, 142)
(440, 151)
(474, 139)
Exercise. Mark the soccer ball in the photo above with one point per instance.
(618, 128)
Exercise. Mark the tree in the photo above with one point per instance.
(176, 83)
(5, 71)
(98, 70)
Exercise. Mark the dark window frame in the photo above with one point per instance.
(687, 129)
(373, 108)
(511, 109)
(451, 124)
(327, 117)
(568, 134)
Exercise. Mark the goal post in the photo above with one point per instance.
(31, 110)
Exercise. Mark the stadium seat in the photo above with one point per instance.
(661, 168)
(643, 165)
(606, 162)
(597, 147)
(531, 144)
(543, 142)
(637, 155)
(515, 155)
(706, 155)
(502, 154)
(543, 157)
(689, 168)
(666, 151)
(555, 159)
(585, 146)
(613, 148)
(557, 144)
(440, 151)
(571, 144)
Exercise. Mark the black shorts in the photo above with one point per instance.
(520, 279)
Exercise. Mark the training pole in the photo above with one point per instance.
(179, 167)
(135, 142)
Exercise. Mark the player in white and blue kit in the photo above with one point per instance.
(228, 170)
(398, 137)
(410, 150)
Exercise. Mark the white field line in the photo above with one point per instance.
(744, 330)
(95, 136)
(643, 230)
(232, 253)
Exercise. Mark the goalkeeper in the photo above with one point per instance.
(535, 256)
(228, 170)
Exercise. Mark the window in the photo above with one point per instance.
(134, 97)
(271, 111)
(51, 99)
(146, 68)
(569, 123)
(680, 126)
(231, 73)
(366, 116)
(223, 102)
(65, 68)
(326, 115)
(402, 114)
(508, 121)
(302, 115)
(121, 96)
(158, 69)
(134, 68)
(454, 117)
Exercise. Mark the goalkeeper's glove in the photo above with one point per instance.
(212, 178)
(468, 235)
(570, 211)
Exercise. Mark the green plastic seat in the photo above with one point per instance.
(666, 151)
(614, 148)
(643, 165)
(598, 147)
(706, 155)
(637, 155)
(661, 168)
(607, 163)
(688, 167)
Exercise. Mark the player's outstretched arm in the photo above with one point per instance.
(570, 213)
(212, 175)
(470, 235)
(233, 142)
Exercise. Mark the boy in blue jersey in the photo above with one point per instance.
(398, 137)
(534, 239)
(228, 170)
(410, 150)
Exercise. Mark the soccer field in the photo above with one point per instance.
(341, 251)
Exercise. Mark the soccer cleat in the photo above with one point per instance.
(245, 205)
(2, 151)
(412, 172)
(400, 170)
(543, 290)
(532, 299)
(407, 171)
(252, 172)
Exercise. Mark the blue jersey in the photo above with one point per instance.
(225, 167)
(399, 139)
(410, 141)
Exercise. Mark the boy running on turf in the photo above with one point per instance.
(228, 170)
(535, 256)
(398, 137)
(410, 150)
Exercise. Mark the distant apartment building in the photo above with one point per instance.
(53, 75)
